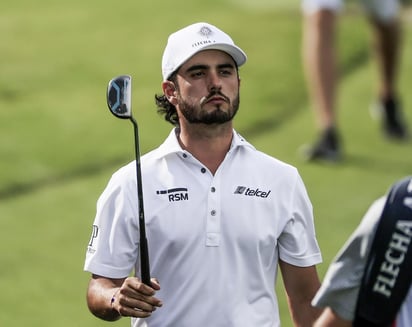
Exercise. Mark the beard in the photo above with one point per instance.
(196, 114)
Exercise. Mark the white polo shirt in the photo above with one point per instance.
(214, 240)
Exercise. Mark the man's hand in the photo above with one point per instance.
(135, 299)
(109, 298)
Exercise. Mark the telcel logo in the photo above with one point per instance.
(251, 192)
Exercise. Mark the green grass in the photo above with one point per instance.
(59, 144)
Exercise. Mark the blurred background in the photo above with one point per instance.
(59, 144)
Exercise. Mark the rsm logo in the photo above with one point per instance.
(175, 194)
(251, 192)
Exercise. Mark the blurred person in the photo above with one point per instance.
(371, 275)
(221, 216)
(319, 56)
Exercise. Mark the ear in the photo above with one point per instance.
(169, 90)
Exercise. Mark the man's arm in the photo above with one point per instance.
(99, 295)
(301, 285)
(109, 298)
(329, 318)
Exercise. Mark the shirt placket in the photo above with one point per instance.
(213, 213)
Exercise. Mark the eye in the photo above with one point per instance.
(197, 73)
(226, 72)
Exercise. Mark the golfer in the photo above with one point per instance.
(342, 284)
(221, 216)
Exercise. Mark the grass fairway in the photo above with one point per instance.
(59, 144)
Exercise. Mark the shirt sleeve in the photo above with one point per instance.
(113, 248)
(297, 243)
(340, 287)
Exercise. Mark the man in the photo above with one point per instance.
(319, 56)
(220, 215)
(340, 289)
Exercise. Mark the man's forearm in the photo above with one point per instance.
(99, 299)
(304, 315)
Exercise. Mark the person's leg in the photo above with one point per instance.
(319, 62)
(387, 46)
(383, 16)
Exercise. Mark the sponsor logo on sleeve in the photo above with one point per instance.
(95, 233)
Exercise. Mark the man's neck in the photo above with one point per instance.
(208, 144)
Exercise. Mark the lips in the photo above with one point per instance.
(217, 99)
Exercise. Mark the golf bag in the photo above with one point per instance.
(388, 272)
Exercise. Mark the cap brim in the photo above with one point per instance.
(238, 55)
(235, 52)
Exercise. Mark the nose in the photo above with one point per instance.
(215, 82)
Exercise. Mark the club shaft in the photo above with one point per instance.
(144, 251)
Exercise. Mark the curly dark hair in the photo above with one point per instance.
(164, 107)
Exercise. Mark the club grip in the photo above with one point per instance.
(144, 262)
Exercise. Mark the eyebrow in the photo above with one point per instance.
(198, 67)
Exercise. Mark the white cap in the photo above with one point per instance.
(188, 41)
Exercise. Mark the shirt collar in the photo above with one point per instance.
(171, 144)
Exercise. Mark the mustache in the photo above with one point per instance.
(213, 94)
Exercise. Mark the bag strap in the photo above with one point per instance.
(388, 273)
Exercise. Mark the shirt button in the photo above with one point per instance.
(213, 212)
(213, 189)
(203, 170)
(184, 155)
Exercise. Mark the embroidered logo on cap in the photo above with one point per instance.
(205, 31)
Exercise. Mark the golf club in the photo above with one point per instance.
(120, 105)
